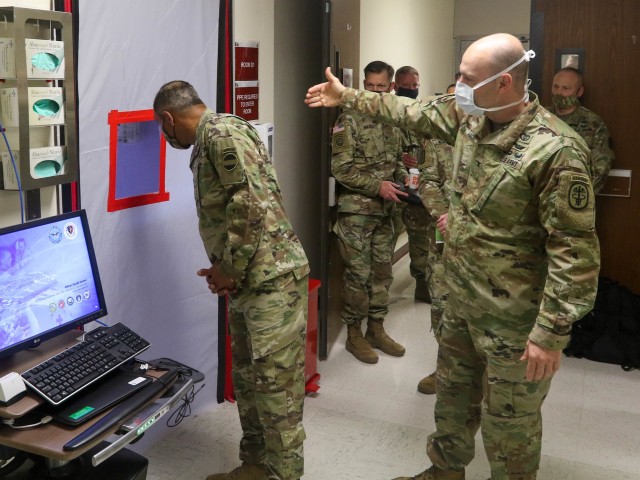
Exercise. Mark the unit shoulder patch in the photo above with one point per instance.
(578, 193)
(575, 206)
(229, 159)
(340, 138)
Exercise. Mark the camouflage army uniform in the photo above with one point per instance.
(593, 130)
(522, 260)
(415, 218)
(365, 153)
(245, 229)
(433, 189)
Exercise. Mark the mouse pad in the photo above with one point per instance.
(105, 394)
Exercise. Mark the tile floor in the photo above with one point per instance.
(369, 422)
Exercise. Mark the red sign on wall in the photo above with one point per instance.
(247, 95)
(246, 63)
(246, 88)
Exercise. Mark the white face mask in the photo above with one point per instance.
(464, 93)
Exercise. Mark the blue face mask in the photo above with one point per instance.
(464, 93)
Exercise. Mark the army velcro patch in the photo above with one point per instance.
(575, 204)
(341, 141)
(230, 163)
(338, 128)
(229, 159)
(578, 195)
(511, 162)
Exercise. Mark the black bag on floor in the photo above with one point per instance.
(610, 333)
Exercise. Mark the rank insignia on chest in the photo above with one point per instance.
(229, 159)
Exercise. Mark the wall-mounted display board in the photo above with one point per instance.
(37, 107)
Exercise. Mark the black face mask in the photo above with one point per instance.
(407, 92)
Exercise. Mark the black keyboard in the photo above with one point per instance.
(101, 351)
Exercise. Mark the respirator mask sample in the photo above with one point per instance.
(464, 93)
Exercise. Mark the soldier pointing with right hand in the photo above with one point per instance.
(521, 252)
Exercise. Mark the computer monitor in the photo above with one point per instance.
(49, 280)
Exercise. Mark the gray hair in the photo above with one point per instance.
(176, 96)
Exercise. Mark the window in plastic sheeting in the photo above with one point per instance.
(137, 158)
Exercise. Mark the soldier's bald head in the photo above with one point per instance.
(497, 52)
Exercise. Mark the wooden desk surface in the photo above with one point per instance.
(24, 360)
(46, 440)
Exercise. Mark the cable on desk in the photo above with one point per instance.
(10, 422)
(184, 373)
(184, 410)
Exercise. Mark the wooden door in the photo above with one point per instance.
(608, 31)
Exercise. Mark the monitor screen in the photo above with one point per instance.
(49, 281)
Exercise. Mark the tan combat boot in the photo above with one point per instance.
(434, 473)
(358, 346)
(243, 472)
(428, 384)
(378, 338)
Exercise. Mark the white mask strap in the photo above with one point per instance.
(525, 98)
(526, 56)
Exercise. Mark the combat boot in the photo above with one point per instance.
(243, 472)
(358, 346)
(422, 291)
(428, 384)
(378, 338)
(434, 473)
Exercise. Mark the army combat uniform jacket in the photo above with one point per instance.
(521, 240)
(592, 129)
(245, 229)
(435, 177)
(242, 219)
(364, 154)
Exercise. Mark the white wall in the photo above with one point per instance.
(253, 21)
(483, 17)
(410, 32)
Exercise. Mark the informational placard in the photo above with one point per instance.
(246, 86)
(618, 184)
(246, 61)
(247, 95)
